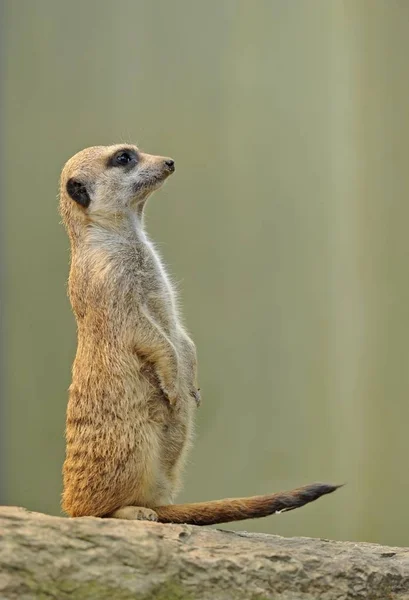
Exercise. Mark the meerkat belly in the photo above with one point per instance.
(120, 451)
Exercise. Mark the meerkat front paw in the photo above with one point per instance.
(168, 378)
(171, 393)
(195, 393)
(135, 513)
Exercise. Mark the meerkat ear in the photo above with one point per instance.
(78, 192)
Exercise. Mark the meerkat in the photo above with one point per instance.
(134, 389)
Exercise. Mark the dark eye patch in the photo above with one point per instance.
(126, 158)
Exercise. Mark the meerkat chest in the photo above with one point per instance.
(156, 272)
(128, 270)
(157, 288)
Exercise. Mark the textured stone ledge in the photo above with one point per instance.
(56, 558)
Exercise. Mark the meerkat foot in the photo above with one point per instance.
(135, 513)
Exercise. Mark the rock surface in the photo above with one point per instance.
(96, 559)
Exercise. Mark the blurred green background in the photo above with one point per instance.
(285, 227)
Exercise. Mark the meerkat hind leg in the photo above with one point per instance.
(135, 513)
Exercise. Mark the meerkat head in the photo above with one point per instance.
(105, 182)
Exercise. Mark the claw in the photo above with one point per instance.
(171, 395)
(196, 395)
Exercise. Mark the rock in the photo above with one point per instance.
(96, 559)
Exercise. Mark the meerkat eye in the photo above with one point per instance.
(124, 158)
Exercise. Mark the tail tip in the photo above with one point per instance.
(324, 488)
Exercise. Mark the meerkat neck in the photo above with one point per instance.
(127, 224)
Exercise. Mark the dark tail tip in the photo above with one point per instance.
(320, 489)
(307, 494)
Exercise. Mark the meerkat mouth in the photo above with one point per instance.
(151, 182)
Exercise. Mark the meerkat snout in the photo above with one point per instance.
(170, 163)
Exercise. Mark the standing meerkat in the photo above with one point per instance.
(134, 379)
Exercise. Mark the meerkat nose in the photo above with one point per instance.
(170, 164)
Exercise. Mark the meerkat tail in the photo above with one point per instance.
(238, 509)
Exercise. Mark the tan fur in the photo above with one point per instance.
(134, 379)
